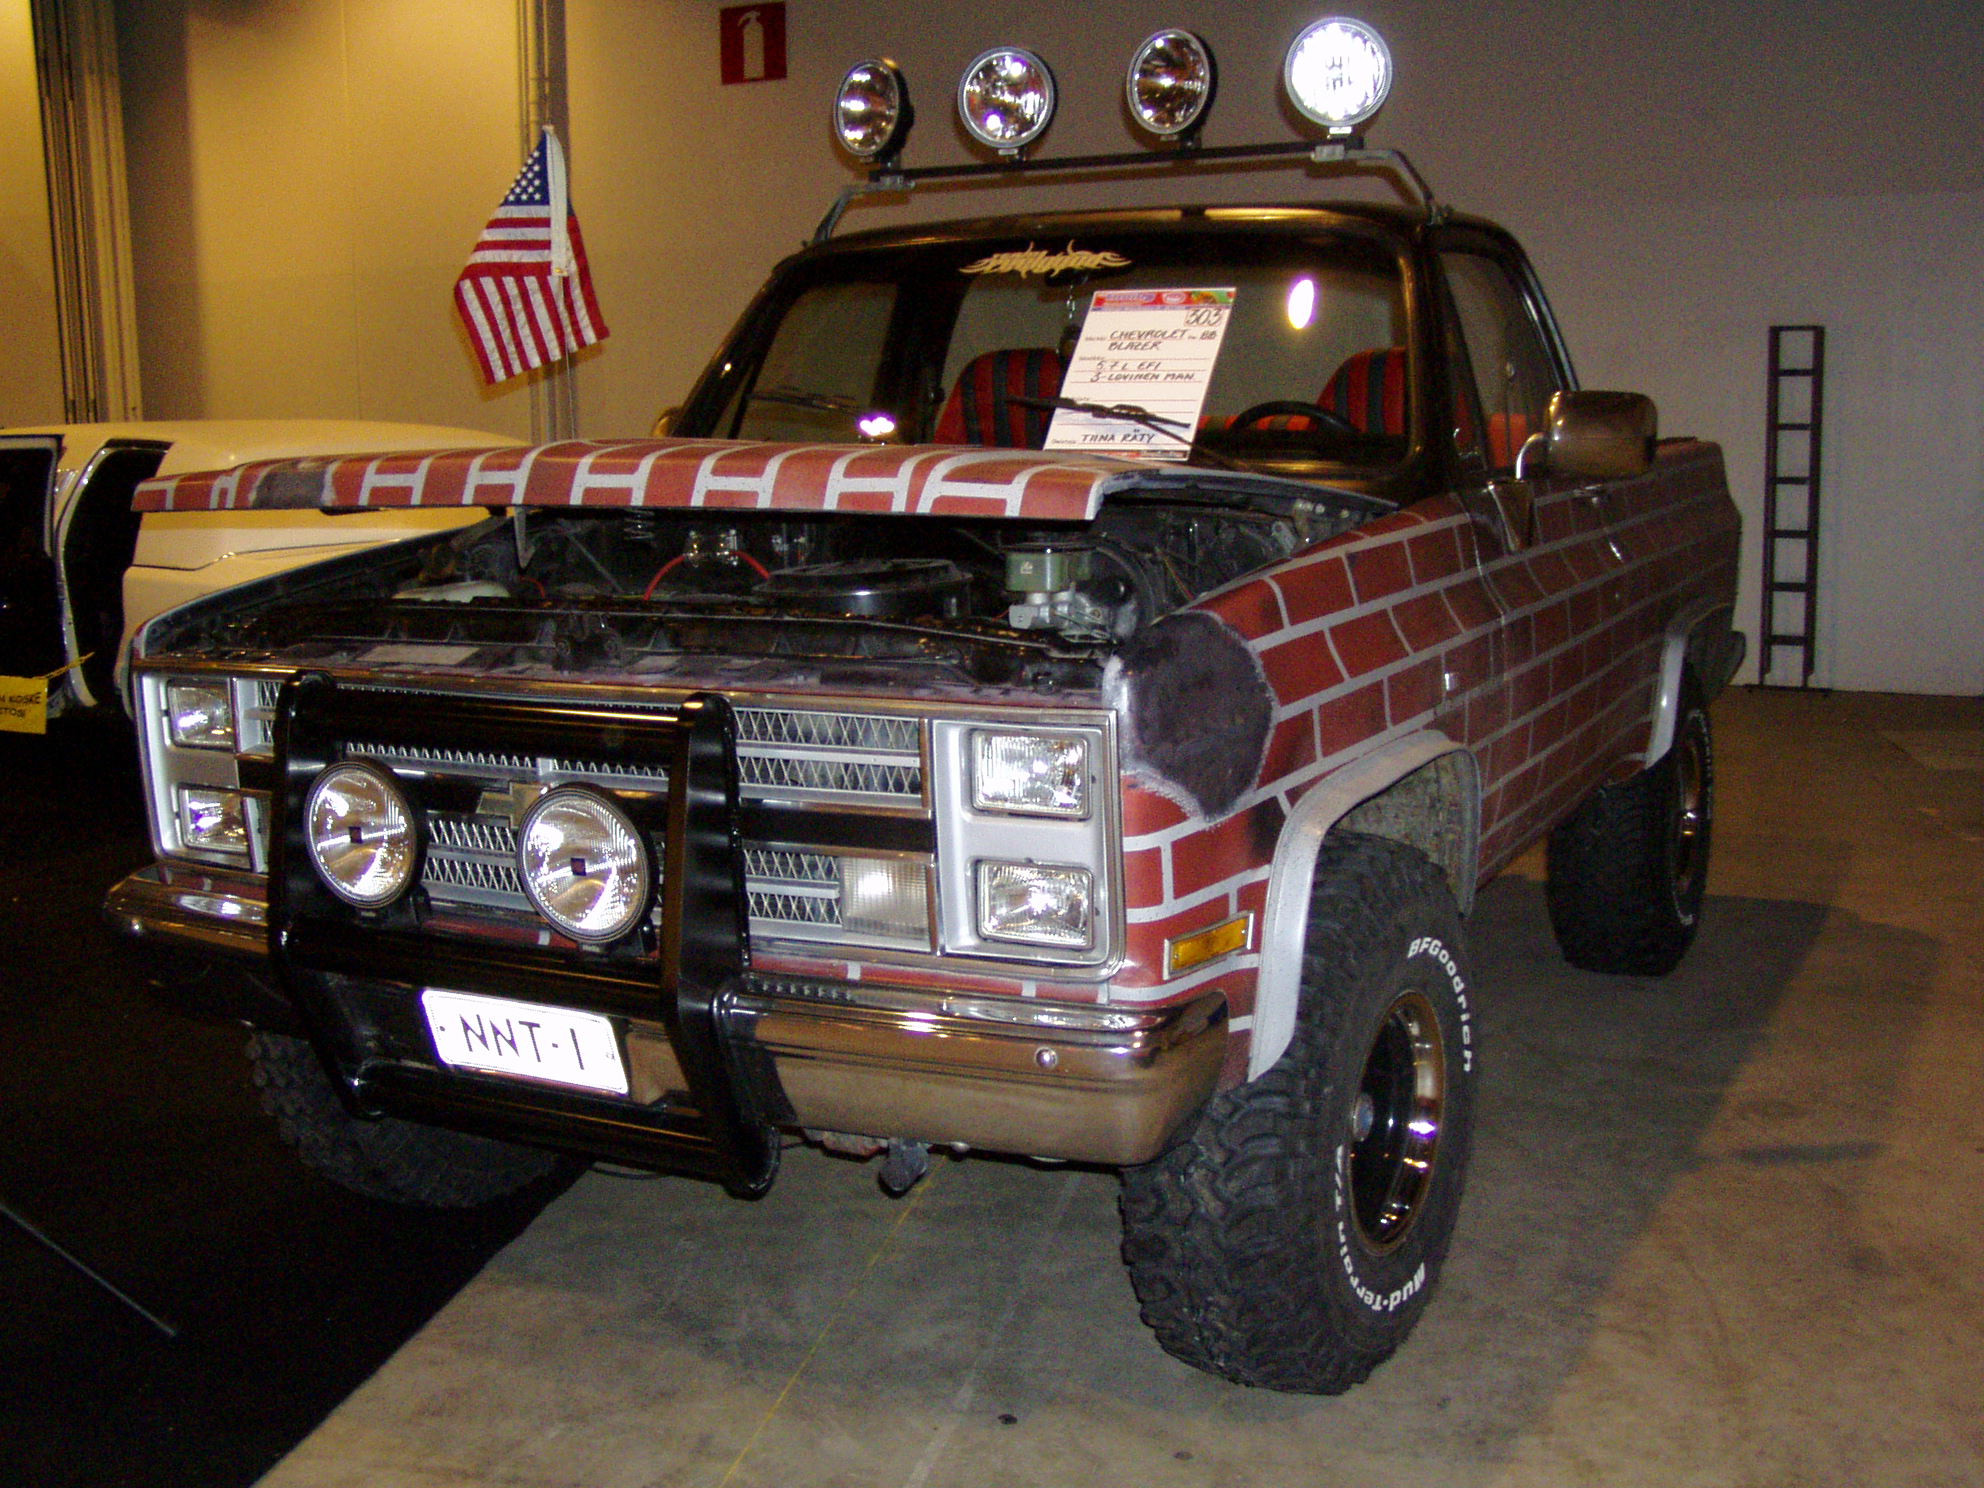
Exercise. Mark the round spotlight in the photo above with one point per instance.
(361, 834)
(871, 111)
(584, 864)
(1171, 83)
(1006, 99)
(1338, 72)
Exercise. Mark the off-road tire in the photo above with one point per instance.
(384, 1158)
(1275, 1246)
(1627, 872)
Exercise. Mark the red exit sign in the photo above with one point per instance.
(751, 43)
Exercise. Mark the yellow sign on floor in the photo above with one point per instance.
(24, 701)
(24, 705)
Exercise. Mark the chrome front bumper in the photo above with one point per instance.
(1077, 1081)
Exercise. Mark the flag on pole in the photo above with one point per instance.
(526, 295)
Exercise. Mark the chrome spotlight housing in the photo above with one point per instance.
(584, 864)
(872, 115)
(1006, 99)
(1337, 73)
(361, 834)
(1171, 83)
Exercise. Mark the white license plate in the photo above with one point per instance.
(498, 1036)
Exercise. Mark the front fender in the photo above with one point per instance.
(1440, 815)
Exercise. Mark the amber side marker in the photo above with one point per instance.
(1187, 951)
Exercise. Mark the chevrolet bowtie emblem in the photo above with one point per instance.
(512, 802)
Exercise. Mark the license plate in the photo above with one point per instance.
(497, 1036)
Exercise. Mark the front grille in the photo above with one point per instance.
(809, 757)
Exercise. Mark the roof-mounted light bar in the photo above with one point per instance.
(1337, 73)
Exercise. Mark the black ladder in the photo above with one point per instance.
(1793, 423)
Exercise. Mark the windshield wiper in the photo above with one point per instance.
(799, 398)
(1131, 413)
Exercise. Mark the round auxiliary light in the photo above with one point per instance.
(871, 111)
(1171, 83)
(361, 834)
(584, 864)
(1006, 99)
(1338, 72)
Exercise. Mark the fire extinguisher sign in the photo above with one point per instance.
(752, 43)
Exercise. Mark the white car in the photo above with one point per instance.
(80, 571)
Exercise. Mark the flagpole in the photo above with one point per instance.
(554, 389)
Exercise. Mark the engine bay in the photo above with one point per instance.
(593, 590)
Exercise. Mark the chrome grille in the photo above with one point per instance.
(778, 773)
(791, 867)
(476, 834)
(794, 909)
(862, 731)
(805, 756)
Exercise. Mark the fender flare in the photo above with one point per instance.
(1702, 634)
(1285, 920)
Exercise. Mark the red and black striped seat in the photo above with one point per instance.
(1368, 391)
(981, 408)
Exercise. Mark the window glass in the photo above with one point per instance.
(819, 372)
(1513, 373)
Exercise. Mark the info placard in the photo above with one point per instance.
(24, 705)
(1151, 349)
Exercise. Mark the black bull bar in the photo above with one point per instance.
(356, 975)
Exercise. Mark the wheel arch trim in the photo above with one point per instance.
(1443, 820)
(1702, 635)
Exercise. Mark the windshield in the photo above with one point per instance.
(1237, 346)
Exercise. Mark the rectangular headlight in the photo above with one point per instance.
(1037, 904)
(1029, 774)
(213, 820)
(199, 715)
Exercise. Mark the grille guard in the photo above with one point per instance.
(345, 968)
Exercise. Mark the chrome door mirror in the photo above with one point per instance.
(1600, 435)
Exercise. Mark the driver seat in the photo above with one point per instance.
(1368, 390)
(980, 409)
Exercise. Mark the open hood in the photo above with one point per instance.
(907, 480)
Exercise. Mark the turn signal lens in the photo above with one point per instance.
(361, 834)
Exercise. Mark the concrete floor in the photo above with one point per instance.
(1726, 1228)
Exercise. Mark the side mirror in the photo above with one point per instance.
(1601, 436)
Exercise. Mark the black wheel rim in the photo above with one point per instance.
(1395, 1122)
(1688, 845)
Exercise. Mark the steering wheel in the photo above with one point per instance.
(1329, 418)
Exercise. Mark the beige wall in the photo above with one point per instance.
(30, 355)
(1685, 176)
(307, 177)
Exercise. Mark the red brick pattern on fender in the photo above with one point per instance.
(1544, 663)
(902, 480)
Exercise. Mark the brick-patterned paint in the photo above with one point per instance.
(916, 480)
(1542, 662)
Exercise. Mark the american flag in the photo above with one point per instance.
(526, 295)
